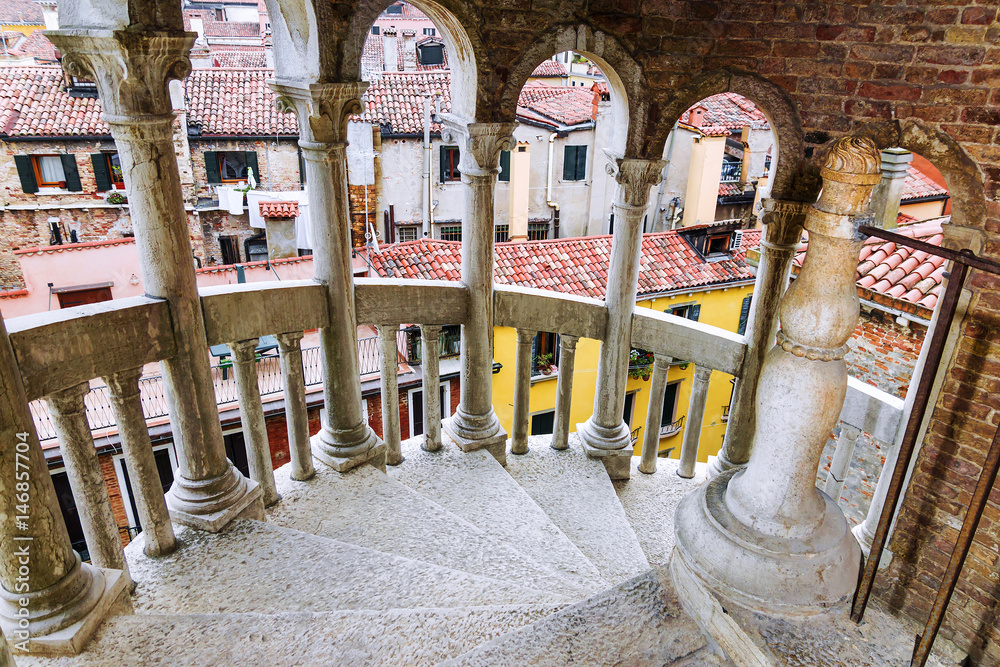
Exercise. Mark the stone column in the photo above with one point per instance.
(765, 537)
(345, 439)
(782, 229)
(841, 463)
(60, 592)
(654, 414)
(474, 424)
(695, 420)
(83, 469)
(252, 418)
(430, 345)
(296, 412)
(605, 435)
(126, 404)
(564, 391)
(389, 361)
(522, 391)
(888, 193)
(132, 71)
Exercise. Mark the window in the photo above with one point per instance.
(64, 495)
(669, 404)
(717, 245)
(230, 249)
(49, 171)
(544, 353)
(394, 9)
(430, 32)
(767, 164)
(408, 233)
(501, 233)
(107, 171)
(574, 163)
(39, 172)
(417, 407)
(731, 169)
(689, 311)
(628, 409)
(451, 233)
(449, 164)
(504, 167)
(375, 30)
(449, 342)
(538, 231)
(230, 166)
(236, 451)
(220, 14)
(430, 54)
(543, 423)
(82, 294)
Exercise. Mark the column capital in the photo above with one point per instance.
(289, 341)
(68, 401)
(132, 69)
(322, 109)
(525, 336)
(635, 177)
(895, 162)
(568, 341)
(783, 220)
(244, 351)
(702, 373)
(661, 360)
(429, 331)
(124, 384)
(481, 143)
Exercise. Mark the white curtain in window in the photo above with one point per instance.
(51, 168)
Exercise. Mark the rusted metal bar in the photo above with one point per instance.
(948, 305)
(980, 496)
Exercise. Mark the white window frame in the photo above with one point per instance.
(119, 462)
(445, 407)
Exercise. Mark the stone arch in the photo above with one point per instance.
(295, 39)
(773, 101)
(624, 75)
(451, 19)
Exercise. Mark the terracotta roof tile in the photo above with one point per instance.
(549, 68)
(279, 209)
(21, 12)
(726, 112)
(239, 59)
(918, 185)
(37, 46)
(232, 28)
(236, 102)
(574, 266)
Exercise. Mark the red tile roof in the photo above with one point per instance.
(550, 68)
(731, 189)
(555, 105)
(901, 272)
(38, 47)
(919, 185)
(239, 59)
(232, 29)
(73, 246)
(397, 98)
(32, 103)
(236, 102)
(279, 209)
(21, 12)
(574, 266)
(726, 112)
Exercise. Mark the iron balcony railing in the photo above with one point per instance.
(673, 428)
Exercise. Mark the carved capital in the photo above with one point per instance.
(124, 384)
(132, 70)
(635, 177)
(68, 401)
(783, 220)
(480, 143)
(289, 342)
(322, 109)
(244, 351)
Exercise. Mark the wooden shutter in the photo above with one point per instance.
(581, 163)
(744, 315)
(444, 162)
(504, 166)
(101, 174)
(694, 311)
(26, 172)
(212, 167)
(71, 173)
(302, 166)
(251, 157)
(569, 162)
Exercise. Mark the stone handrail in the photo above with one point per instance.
(872, 410)
(553, 312)
(680, 338)
(251, 310)
(401, 301)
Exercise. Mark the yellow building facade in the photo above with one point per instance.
(719, 306)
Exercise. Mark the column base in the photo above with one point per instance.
(213, 504)
(763, 573)
(471, 433)
(864, 539)
(345, 451)
(613, 446)
(720, 464)
(108, 593)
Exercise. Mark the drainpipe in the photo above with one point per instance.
(548, 179)
(427, 167)
(663, 183)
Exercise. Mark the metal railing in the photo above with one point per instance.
(673, 428)
(725, 413)
(731, 172)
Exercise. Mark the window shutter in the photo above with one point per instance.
(569, 162)
(581, 163)
(504, 166)
(101, 175)
(71, 173)
(251, 157)
(212, 167)
(444, 162)
(26, 173)
(744, 315)
(302, 167)
(694, 311)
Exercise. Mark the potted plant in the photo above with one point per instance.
(639, 364)
(543, 364)
(117, 198)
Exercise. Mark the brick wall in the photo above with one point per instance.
(279, 164)
(359, 222)
(883, 352)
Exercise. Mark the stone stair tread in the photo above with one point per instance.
(391, 637)
(650, 501)
(474, 486)
(577, 494)
(639, 622)
(255, 566)
(368, 508)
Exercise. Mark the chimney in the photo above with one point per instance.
(389, 49)
(409, 47)
(279, 227)
(49, 14)
(697, 117)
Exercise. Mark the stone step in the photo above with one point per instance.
(474, 486)
(392, 638)
(257, 567)
(367, 508)
(650, 501)
(578, 496)
(639, 622)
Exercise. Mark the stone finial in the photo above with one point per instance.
(322, 109)
(851, 170)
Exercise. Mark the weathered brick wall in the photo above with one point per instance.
(359, 222)
(883, 353)
(279, 164)
(216, 223)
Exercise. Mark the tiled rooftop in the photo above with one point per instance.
(919, 185)
(232, 29)
(726, 112)
(236, 101)
(556, 105)
(574, 266)
(21, 12)
(733, 190)
(279, 209)
(397, 98)
(37, 46)
(32, 103)
(550, 68)
(239, 59)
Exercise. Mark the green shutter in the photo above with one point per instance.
(569, 162)
(26, 172)
(444, 162)
(251, 157)
(302, 166)
(504, 166)
(212, 167)
(694, 311)
(744, 315)
(581, 163)
(70, 172)
(101, 175)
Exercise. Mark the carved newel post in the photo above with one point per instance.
(766, 537)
